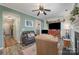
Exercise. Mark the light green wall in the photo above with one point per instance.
(1, 41)
(45, 25)
(22, 20)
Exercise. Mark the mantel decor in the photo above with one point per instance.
(75, 11)
(56, 21)
(72, 18)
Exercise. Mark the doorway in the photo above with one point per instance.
(38, 27)
(10, 29)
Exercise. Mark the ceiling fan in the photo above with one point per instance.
(41, 9)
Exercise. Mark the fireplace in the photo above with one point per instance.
(77, 43)
(54, 29)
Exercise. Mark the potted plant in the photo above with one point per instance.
(74, 12)
(72, 19)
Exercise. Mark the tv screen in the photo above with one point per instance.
(44, 31)
(54, 25)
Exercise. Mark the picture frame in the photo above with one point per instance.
(67, 34)
(28, 23)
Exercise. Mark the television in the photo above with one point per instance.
(54, 25)
(44, 31)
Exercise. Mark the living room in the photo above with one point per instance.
(39, 28)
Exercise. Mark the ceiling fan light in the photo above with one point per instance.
(41, 11)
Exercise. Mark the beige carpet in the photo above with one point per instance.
(19, 50)
(30, 50)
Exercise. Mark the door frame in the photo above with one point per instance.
(15, 16)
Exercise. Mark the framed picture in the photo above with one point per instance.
(28, 23)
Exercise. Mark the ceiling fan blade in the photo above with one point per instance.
(38, 13)
(47, 9)
(35, 10)
(44, 13)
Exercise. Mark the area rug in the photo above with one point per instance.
(13, 50)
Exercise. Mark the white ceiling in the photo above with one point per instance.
(57, 9)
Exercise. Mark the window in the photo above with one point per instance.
(28, 23)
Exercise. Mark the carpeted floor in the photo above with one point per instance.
(27, 50)
(30, 49)
(19, 50)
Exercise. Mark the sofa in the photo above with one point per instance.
(27, 37)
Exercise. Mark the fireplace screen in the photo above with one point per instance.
(77, 43)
